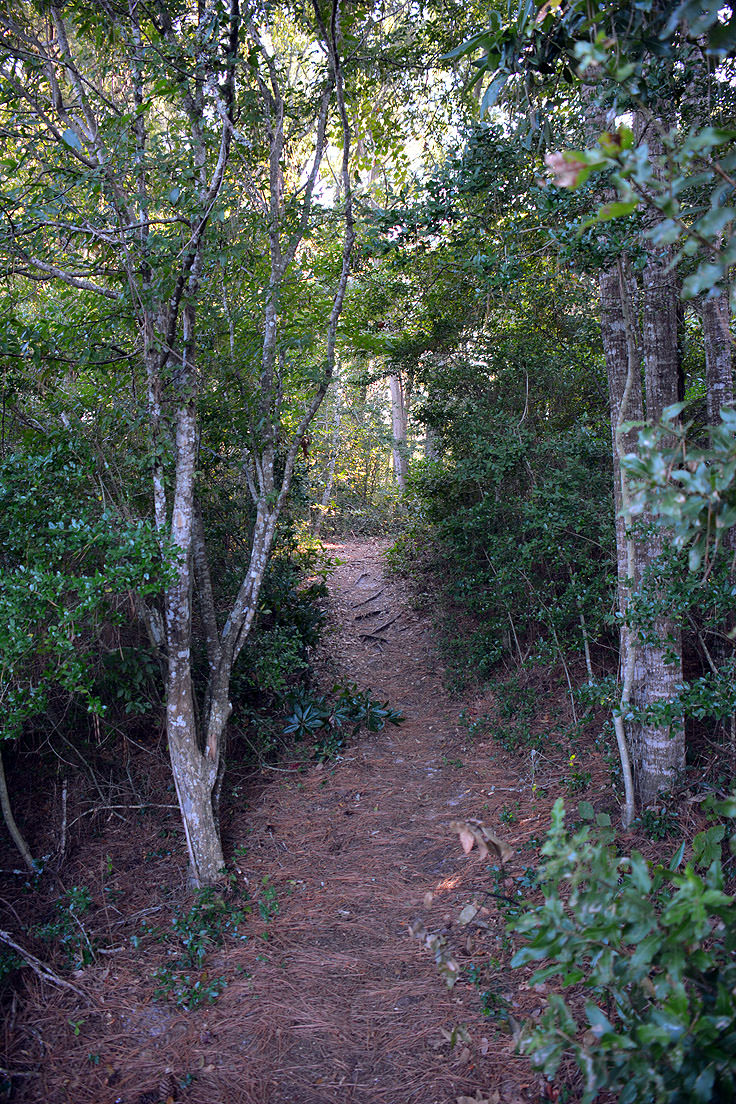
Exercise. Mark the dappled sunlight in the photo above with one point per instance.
(448, 884)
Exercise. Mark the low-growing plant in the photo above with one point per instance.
(514, 700)
(9, 963)
(515, 736)
(494, 1004)
(654, 948)
(659, 824)
(268, 904)
(474, 725)
(510, 899)
(193, 934)
(577, 781)
(65, 929)
(330, 721)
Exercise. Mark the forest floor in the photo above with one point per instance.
(329, 999)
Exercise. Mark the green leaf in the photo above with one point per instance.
(672, 412)
(703, 1086)
(598, 1021)
(707, 276)
(677, 857)
(639, 873)
(491, 94)
(71, 139)
(476, 42)
(610, 211)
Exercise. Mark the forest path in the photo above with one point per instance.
(351, 1009)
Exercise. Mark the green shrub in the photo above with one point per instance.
(274, 664)
(65, 563)
(66, 931)
(194, 933)
(329, 722)
(522, 524)
(653, 948)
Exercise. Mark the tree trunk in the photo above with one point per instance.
(662, 741)
(194, 778)
(716, 315)
(194, 772)
(9, 819)
(623, 368)
(718, 356)
(431, 448)
(399, 417)
(322, 509)
(616, 349)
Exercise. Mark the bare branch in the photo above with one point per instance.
(53, 271)
(40, 968)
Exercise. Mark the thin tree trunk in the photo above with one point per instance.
(718, 355)
(9, 819)
(194, 772)
(399, 425)
(322, 509)
(718, 344)
(623, 369)
(716, 315)
(662, 741)
(431, 449)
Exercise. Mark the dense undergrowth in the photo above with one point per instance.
(510, 542)
(633, 949)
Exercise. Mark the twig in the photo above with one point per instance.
(40, 968)
(12, 827)
(108, 808)
(385, 625)
(373, 597)
(62, 833)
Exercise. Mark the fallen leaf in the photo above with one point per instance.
(482, 849)
(473, 832)
(468, 913)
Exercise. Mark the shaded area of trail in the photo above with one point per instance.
(356, 1010)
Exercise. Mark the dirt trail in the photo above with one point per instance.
(330, 1001)
(357, 1012)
